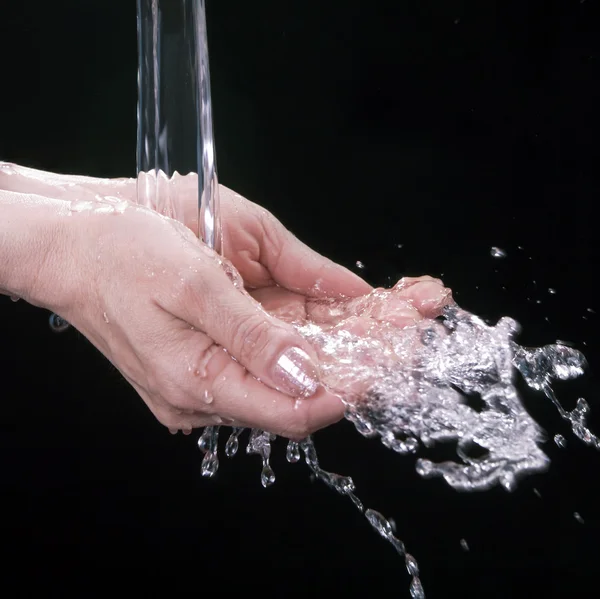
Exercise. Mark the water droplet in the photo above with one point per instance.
(359, 264)
(379, 523)
(464, 545)
(7, 168)
(578, 517)
(497, 252)
(399, 245)
(416, 589)
(342, 484)
(411, 565)
(267, 476)
(207, 397)
(565, 343)
(560, 441)
(509, 481)
(591, 310)
(232, 445)
(105, 316)
(392, 524)
(81, 206)
(121, 207)
(361, 425)
(292, 453)
(317, 286)
(210, 465)
(551, 291)
(537, 493)
(206, 440)
(58, 324)
(14, 298)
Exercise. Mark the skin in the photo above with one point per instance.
(198, 337)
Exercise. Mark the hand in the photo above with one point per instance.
(161, 306)
(356, 339)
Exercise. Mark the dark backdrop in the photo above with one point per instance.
(445, 128)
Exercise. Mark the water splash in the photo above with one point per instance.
(233, 444)
(208, 443)
(260, 444)
(413, 388)
(100, 205)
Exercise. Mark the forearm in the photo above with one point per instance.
(32, 248)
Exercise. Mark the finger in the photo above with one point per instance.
(242, 398)
(65, 187)
(171, 417)
(270, 349)
(237, 398)
(289, 262)
(381, 305)
(427, 295)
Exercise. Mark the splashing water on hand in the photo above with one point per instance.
(411, 387)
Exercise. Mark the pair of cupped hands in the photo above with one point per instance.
(195, 333)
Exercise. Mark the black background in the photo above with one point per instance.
(445, 127)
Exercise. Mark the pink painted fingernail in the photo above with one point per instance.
(296, 374)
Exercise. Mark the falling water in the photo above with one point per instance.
(175, 126)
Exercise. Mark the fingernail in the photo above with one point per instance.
(296, 374)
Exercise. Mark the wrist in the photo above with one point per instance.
(34, 249)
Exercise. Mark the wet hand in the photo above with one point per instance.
(358, 340)
(161, 306)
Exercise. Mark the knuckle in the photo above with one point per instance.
(189, 288)
(252, 336)
(184, 286)
(218, 387)
(274, 234)
(160, 383)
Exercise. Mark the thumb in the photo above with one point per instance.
(273, 351)
(287, 261)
